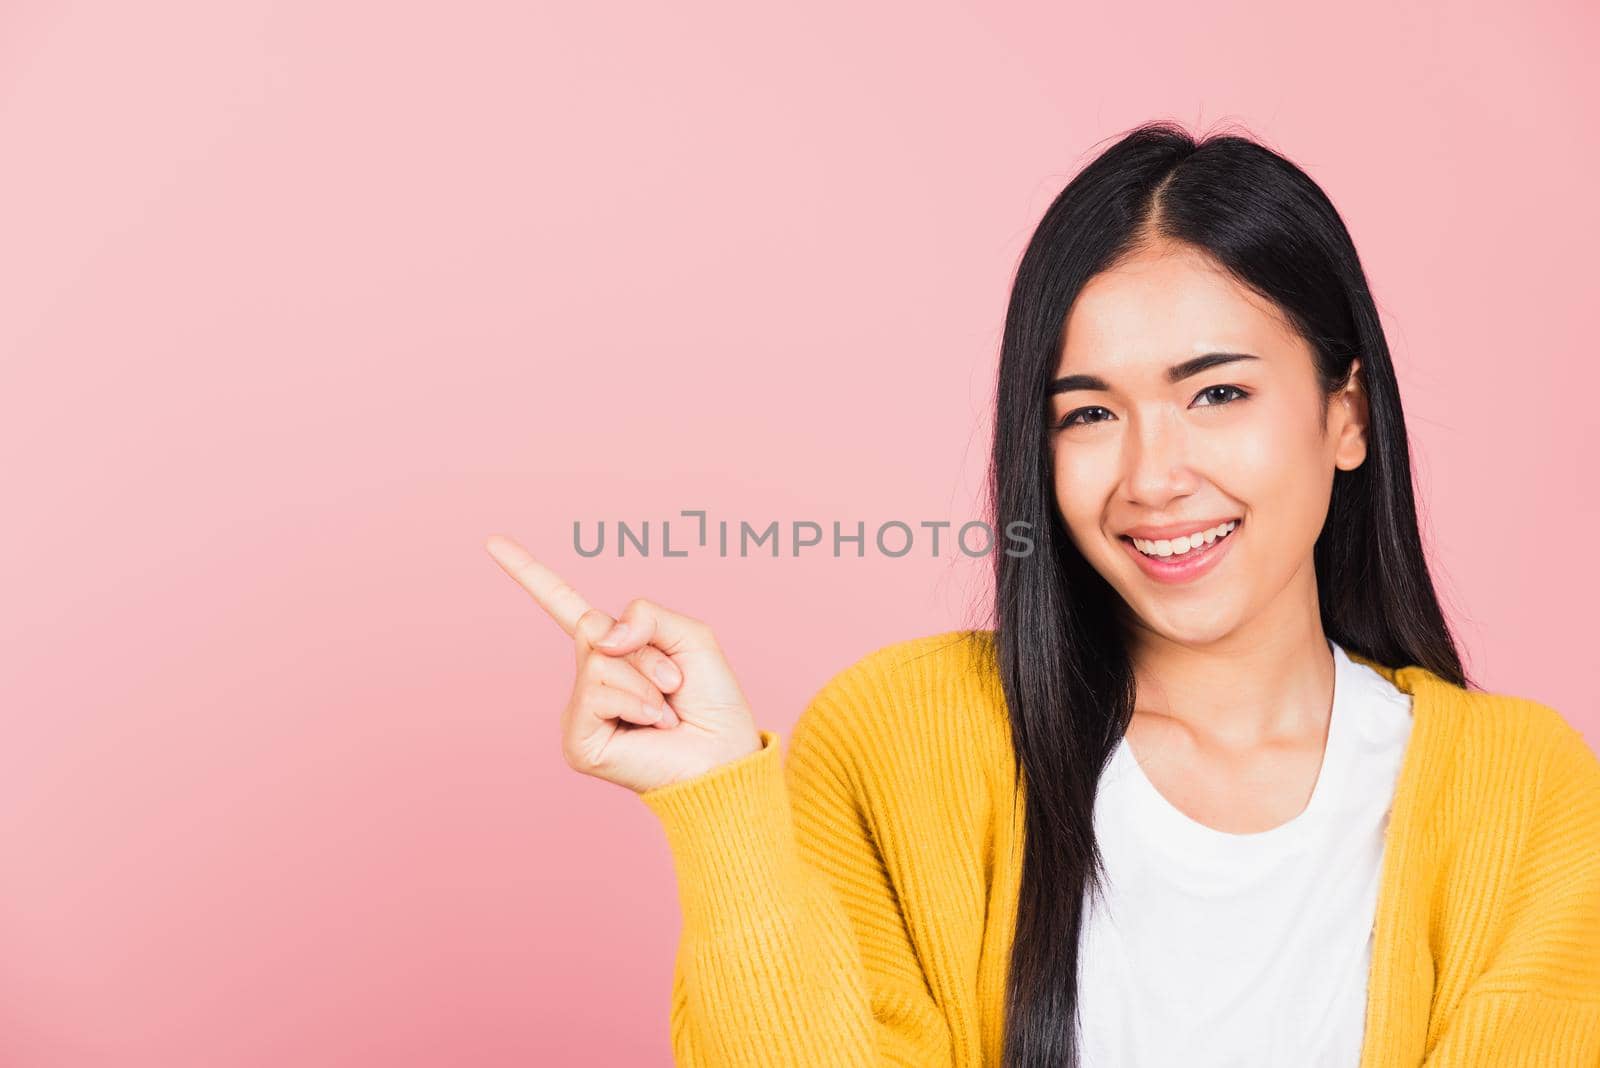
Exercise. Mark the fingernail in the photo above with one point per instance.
(666, 675)
(613, 636)
(667, 718)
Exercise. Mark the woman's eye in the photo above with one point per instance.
(1079, 417)
(1221, 395)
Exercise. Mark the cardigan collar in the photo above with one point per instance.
(1402, 973)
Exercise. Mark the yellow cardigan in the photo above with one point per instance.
(856, 904)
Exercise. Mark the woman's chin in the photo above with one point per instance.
(1192, 625)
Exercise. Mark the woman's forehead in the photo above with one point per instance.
(1152, 311)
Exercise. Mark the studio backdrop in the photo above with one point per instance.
(300, 302)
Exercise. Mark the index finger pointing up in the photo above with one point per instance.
(563, 603)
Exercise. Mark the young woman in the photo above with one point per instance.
(1212, 787)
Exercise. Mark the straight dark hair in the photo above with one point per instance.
(1058, 645)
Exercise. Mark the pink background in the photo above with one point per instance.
(299, 301)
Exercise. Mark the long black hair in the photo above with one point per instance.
(1059, 650)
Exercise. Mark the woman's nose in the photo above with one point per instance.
(1157, 464)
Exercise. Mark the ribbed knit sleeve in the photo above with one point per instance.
(1536, 1004)
(780, 885)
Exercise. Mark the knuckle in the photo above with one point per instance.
(638, 605)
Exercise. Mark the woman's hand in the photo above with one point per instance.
(654, 701)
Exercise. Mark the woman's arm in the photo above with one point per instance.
(793, 947)
(794, 950)
(1537, 1003)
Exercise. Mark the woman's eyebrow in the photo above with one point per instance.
(1176, 373)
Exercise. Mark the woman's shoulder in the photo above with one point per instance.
(1511, 801)
(941, 657)
(1504, 743)
(898, 698)
(915, 671)
(1498, 717)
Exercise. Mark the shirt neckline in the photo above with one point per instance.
(1173, 822)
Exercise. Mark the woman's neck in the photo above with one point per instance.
(1268, 680)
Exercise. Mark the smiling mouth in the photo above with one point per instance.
(1185, 547)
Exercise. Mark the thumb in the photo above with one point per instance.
(644, 622)
(590, 626)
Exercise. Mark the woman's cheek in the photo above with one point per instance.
(1250, 464)
(1273, 469)
(1083, 483)
(1252, 450)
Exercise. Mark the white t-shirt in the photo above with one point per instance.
(1219, 949)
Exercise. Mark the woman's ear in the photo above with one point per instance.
(1351, 419)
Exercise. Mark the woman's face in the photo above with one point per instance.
(1148, 448)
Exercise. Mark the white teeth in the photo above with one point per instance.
(1180, 545)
